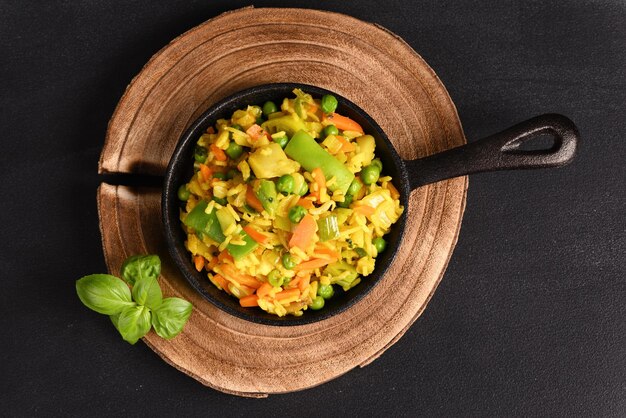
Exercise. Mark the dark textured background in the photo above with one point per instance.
(530, 318)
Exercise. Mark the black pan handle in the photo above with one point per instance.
(500, 152)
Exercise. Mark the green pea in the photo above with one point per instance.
(282, 141)
(370, 174)
(330, 130)
(354, 188)
(274, 278)
(347, 201)
(200, 153)
(380, 244)
(183, 193)
(231, 174)
(329, 103)
(376, 162)
(234, 150)
(218, 175)
(269, 107)
(360, 252)
(286, 281)
(288, 261)
(318, 303)
(238, 127)
(326, 291)
(304, 189)
(296, 214)
(260, 120)
(285, 184)
(220, 200)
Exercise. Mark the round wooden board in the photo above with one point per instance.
(361, 61)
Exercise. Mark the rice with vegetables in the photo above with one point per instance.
(287, 204)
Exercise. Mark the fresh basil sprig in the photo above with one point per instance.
(104, 293)
(134, 322)
(147, 292)
(137, 267)
(134, 313)
(168, 319)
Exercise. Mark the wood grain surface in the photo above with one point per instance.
(364, 63)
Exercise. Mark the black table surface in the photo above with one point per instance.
(530, 318)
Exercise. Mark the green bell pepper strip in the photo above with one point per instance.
(238, 251)
(303, 148)
(207, 224)
(204, 223)
(267, 195)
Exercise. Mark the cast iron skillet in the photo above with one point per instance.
(496, 152)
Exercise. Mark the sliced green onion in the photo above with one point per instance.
(328, 228)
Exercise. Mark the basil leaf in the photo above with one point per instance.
(147, 292)
(115, 319)
(104, 293)
(133, 323)
(170, 317)
(139, 266)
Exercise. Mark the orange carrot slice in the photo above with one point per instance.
(225, 257)
(395, 194)
(286, 294)
(246, 290)
(264, 290)
(206, 172)
(211, 263)
(220, 155)
(306, 203)
(295, 282)
(253, 200)
(320, 249)
(242, 278)
(256, 235)
(198, 262)
(313, 264)
(249, 301)
(303, 233)
(304, 283)
(365, 210)
(346, 146)
(255, 131)
(222, 282)
(343, 123)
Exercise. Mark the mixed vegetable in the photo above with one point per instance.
(286, 203)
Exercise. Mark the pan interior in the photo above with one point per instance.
(180, 170)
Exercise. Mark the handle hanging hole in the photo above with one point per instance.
(544, 143)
